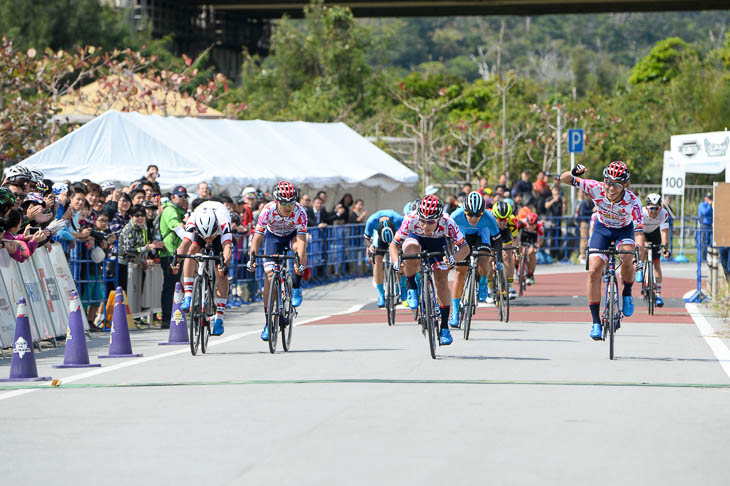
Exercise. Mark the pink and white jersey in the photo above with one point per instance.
(613, 215)
(651, 224)
(271, 220)
(222, 215)
(446, 227)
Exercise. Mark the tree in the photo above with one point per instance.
(662, 62)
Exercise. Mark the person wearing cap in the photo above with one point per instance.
(248, 197)
(172, 231)
(704, 213)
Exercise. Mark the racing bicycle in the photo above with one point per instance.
(469, 299)
(648, 285)
(391, 287)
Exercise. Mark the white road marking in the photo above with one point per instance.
(186, 349)
(722, 353)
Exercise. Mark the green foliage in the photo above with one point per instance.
(662, 62)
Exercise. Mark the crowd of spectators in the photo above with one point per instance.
(133, 224)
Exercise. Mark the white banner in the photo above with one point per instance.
(673, 176)
(64, 279)
(57, 306)
(7, 317)
(702, 153)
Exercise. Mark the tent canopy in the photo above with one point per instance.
(230, 154)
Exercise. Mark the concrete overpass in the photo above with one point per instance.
(418, 8)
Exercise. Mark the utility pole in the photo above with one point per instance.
(560, 140)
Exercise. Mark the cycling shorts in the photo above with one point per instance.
(655, 238)
(529, 238)
(429, 244)
(276, 245)
(506, 235)
(603, 237)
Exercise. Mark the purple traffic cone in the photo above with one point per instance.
(76, 354)
(120, 345)
(178, 324)
(22, 364)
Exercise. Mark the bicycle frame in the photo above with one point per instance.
(204, 282)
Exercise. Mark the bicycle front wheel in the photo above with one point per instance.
(390, 298)
(612, 313)
(503, 295)
(208, 314)
(429, 316)
(288, 325)
(195, 316)
(651, 286)
(523, 274)
(272, 318)
(467, 306)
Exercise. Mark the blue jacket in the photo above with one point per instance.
(486, 227)
(371, 225)
(705, 213)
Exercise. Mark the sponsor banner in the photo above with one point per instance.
(13, 282)
(64, 280)
(7, 316)
(702, 153)
(673, 176)
(51, 292)
(37, 300)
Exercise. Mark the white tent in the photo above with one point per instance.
(229, 154)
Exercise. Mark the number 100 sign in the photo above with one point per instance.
(672, 176)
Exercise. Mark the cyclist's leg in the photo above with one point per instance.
(378, 276)
(443, 295)
(189, 267)
(531, 263)
(411, 246)
(299, 246)
(457, 292)
(221, 290)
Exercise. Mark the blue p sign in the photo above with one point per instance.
(575, 140)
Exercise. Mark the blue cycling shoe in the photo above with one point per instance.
(628, 305)
(381, 300)
(482, 292)
(639, 276)
(296, 297)
(217, 327)
(596, 331)
(412, 298)
(454, 318)
(659, 301)
(265, 334)
(446, 338)
(186, 303)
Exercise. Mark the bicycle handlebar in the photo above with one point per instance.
(423, 254)
(609, 252)
(199, 256)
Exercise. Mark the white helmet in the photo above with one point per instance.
(206, 223)
(653, 199)
(35, 174)
(16, 173)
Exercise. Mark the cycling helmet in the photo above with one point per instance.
(386, 230)
(35, 175)
(617, 171)
(653, 199)
(285, 192)
(7, 198)
(531, 218)
(206, 223)
(502, 210)
(415, 205)
(17, 173)
(33, 198)
(431, 208)
(60, 187)
(474, 204)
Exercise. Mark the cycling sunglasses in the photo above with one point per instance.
(286, 204)
(473, 215)
(612, 184)
(428, 221)
(653, 208)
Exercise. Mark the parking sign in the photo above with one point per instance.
(575, 140)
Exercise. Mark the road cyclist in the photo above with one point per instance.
(380, 229)
(481, 233)
(656, 232)
(509, 227)
(429, 229)
(282, 226)
(208, 225)
(619, 223)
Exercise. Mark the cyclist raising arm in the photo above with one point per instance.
(210, 224)
(481, 231)
(428, 229)
(656, 232)
(619, 218)
(282, 224)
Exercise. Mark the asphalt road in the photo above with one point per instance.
(533, 401)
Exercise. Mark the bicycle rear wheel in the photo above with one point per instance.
(194, 319)
(612, 313)
(523, 274)
(467, 304)
(429, 315)
(503, 295)
(208, 314)
(289, 312)
(390, 291)
(651, 286)
(272, 318)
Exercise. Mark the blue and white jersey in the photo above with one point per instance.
(486, 227)
(371, 225)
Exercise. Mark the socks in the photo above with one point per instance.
(188, 286)
(403, 288)
(455, 303)
(444, 316)
(627, 289)
(658, 288)
(296, 281)
(595, 311)
(220, 307)
(412, 285)
(381, 290)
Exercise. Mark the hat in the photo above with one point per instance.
(149, 205)
(431, 190)
(180, 191)
(248, 190)
(708, 194)
(34, 198)
(59, 187)
(107, 185)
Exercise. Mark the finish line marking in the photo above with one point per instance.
(24, 390)
(722, 353)
(370, 381)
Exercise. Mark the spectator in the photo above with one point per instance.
(20, 247)
(121, 215)
(150, 215)
(484, 190)
(151, 176)
(93, 196)
(519, 202)
(135, 245)
(150, 193)
(172, 230)
(465, 190)
(92, 272)
(452, 204)
(523, 186)
(323, 196)
(306, 201)
(138, 195)
(317, 215)
(342, 210)
(540, 185)
(502, 185)
(358, 214)
(704, 213)
(204, 190)
(554, 210)
(584, 211)
(75, 227)
(249, 205)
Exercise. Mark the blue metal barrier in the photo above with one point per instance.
(93, 280)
